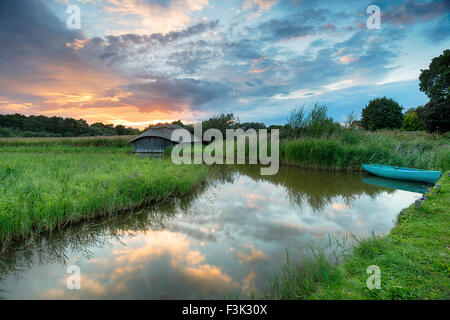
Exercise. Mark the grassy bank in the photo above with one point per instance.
(117, 144)
(350, 149)
(413, 259)
(44, 191)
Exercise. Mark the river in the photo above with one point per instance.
(225, 240)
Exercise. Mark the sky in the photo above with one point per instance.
(138, 62)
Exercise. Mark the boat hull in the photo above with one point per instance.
(400, 173)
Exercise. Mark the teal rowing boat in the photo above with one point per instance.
(400, 173)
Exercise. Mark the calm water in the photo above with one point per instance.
(226, 239)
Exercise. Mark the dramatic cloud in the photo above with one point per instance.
(412, 11)
(136, 62)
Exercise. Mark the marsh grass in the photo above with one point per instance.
(107, 142)
(299, 277)
(349, 150)
(64, 149)
(43, 192)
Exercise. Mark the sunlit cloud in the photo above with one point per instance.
(346, 59)
(138, 62)
(261, 5)
(153, 16)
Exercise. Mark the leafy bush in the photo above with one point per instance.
(318, 122)
(382, 113)
(315, 124)
(411, 122)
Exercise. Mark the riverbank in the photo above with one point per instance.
(413, 260)
(48, 184)
(46, 191)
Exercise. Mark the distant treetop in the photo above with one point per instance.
(18, 125)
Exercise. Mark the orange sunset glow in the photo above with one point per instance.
(136, 63)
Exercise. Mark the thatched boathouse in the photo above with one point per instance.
(156, 139)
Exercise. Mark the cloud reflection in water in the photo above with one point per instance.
(224, 241)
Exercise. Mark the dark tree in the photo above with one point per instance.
(188, 127)
(221, 122)
(436, 116)
(382, 113)
(121, 130)
(435, 81)
(250, 125)
(17, 125)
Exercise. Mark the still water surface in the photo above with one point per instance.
(223, 241)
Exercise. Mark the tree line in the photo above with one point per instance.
(18, 125)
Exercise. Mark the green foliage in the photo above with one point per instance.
(188, 127)
(314, 124)
(435, 81)
(299, 280)
(41, 192)
(411, 122)
(350, 149)
(436, 116)
(382, 113)
(224, 121)
(250, 125)
(297, 118)
(17, 125)
(220, 122)
(318, 122)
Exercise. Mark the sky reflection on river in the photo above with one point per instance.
(224, 241)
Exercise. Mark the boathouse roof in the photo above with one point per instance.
(163, 131)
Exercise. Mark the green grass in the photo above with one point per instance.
(117, 144)
(106, 142)
(43, 191)
(64, 149)
(46, 184)
(350, 149)
(413, 259)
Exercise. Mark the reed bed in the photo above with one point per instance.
(41, 192)
(350, 150)
(108, 142)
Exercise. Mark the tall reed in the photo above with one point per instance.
(45, 191)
